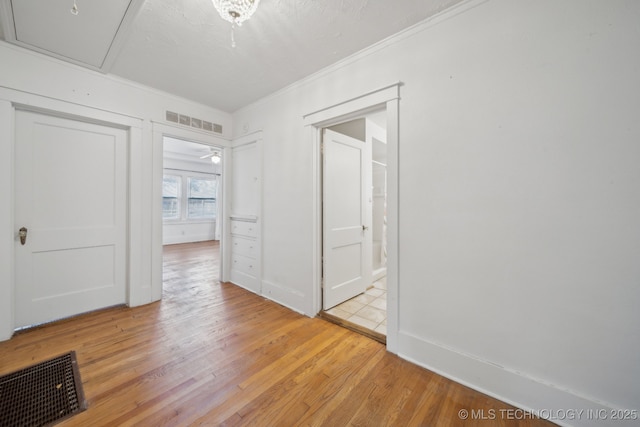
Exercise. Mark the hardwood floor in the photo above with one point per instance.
(213, 354)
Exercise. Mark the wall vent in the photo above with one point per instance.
(173, 117)
(193, 122)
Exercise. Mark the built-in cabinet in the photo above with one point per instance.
(245, 252)
(244, 219)
(379, 216)
(376, 136)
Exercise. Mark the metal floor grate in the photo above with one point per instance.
(42, 394)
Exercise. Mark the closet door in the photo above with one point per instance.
(70, 201)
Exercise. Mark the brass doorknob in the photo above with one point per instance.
(23, 235)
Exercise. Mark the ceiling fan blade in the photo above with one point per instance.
(206, 156)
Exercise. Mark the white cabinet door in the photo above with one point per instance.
(245, 171)
(346, 268)
(245, 256)
(70, 194)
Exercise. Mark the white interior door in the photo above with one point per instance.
(70, 194)
(346, 242)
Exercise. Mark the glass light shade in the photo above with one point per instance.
(236, 11)
(215, 159)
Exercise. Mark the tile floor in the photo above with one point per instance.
(368, 310)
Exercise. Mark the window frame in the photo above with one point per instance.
(178, 198)
(183, 198)
(188, 199)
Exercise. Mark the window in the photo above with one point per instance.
(202, 198)
(189, 196)
(171, 197)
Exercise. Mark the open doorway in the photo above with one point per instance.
(191, 201)
(387, 98)
(354, 190)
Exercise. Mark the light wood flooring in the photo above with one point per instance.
(214, 354)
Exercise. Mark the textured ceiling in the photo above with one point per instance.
(184, 47)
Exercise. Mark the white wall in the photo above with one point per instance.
(519, 195)
(37, 74)
(41, 82)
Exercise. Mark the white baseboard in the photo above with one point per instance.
(175, 240)
(379, 274)
(283, 295)
(532, 396)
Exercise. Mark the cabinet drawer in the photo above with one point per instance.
(243, 246)
(244, 264)
(244, 228)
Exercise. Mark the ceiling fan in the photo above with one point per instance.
(214, 155)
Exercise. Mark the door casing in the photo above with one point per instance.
(160, 131)
(387, 97)
(138, 289)
(94, 231)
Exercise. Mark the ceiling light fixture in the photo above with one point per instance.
(236, 12)
(214, 155)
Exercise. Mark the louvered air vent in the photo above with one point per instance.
(193, 122)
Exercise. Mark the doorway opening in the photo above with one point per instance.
(354, 222)
(386, 98)
(191, 201)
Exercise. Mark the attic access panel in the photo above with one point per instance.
(49, 27)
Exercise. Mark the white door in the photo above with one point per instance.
(346, 234)
(70, 194)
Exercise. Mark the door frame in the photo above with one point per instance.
(161, 130)
(10, 101)
(389, 98)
